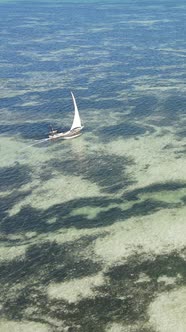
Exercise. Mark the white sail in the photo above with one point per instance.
(77, 121)
(75, 129)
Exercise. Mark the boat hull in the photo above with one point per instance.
(67, 135)
(73, 136)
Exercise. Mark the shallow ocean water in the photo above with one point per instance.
(93, 229)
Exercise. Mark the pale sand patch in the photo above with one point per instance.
(174, 196)
(168, 311)
(10, 253)
(22, 326)
(91, 212)
(88, 211)
(57, 190)
(116, 327)
(70, 235)
(159, 233)
(15, 152)
(74, 290)
(169, 280)
(143, 277)
(62, 236)
(10, 151)
(150, 151)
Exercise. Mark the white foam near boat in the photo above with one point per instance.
(75, 129)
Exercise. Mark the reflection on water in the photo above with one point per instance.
(92, 229)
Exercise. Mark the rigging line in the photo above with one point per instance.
(35, 143)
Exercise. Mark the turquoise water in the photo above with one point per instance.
(93, 229)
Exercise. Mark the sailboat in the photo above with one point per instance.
(75, 129)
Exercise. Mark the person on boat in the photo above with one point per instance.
(52, 131)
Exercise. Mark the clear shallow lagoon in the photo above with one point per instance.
(93, 230)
